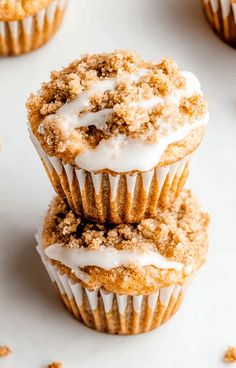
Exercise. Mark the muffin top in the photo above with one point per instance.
(134, 258)
(108, 111)
(11, 10)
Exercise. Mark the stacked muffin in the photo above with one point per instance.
(122, 238)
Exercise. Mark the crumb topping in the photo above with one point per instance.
(178, 233)
(5, 351)
(127, 100)
(230, 355)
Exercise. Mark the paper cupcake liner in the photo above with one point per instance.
(221, 14)
(115, 198)
(18, 37)
(114, 313)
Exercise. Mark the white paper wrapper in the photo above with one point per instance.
(113, 313)
(115, 198)
(222, 16)
(17, 37)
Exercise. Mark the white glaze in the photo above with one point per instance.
(78, 272)
(108, 258)
(122, 154)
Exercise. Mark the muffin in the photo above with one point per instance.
(26, 25)
(127, 278)
(115, 134)
(221, 15)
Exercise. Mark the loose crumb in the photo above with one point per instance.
(4, 351)
(230, 355)
(55, 365)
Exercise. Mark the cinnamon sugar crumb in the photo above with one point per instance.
(230, 355)
(55, 365)
(178, 233)
(5, 351)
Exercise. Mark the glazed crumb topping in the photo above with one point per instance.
(179, 233)
(128, 115)
(230, 355)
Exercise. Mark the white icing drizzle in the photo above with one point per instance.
(108, 258)
(121, 153)
(78, 272)
(69, 113)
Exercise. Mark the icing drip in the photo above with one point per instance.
(108, 258)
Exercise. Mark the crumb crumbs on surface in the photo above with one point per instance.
(4, 351)
(230, 355)
(55, 365)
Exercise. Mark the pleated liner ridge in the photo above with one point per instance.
(113, 313)
(115, 198)
(18, 37)
(221, 14)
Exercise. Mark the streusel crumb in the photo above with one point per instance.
(178, 233)
(129, 102)
(230, 355)
(5, 351)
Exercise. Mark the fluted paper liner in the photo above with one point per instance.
(114, 313)
(221, 14)
(21, 36)
(120, 198)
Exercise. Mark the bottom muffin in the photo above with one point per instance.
(124, 279)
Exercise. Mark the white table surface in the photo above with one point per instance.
(33, 322)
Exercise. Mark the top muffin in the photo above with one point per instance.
(112, 110)
(11, 10)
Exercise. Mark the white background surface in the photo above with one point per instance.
(33, 322)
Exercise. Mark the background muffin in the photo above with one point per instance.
(115, 133)
(221, 14)
(27, 25)
(124, 278)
